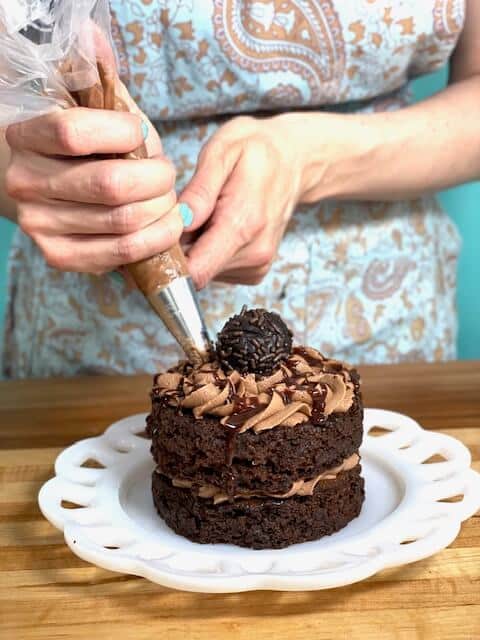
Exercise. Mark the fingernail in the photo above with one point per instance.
(116, 276)
(186, 213)
(144, 130)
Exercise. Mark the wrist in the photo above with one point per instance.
(333, 153)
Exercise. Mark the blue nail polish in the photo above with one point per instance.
(186, 213)
(144, 130)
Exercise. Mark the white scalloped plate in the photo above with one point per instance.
(405, 517)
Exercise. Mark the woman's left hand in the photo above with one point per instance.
(245, 188)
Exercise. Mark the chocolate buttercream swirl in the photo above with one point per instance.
(307, 387)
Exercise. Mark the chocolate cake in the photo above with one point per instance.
(259, 446)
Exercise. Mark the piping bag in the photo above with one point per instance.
(60, 53)
(163, 278)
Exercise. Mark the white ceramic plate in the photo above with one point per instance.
(114, 525)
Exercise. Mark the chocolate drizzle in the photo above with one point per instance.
(306, 388)
(243, 409)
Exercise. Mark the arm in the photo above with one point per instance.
(253, 172)
(8, 207)
(429, 146)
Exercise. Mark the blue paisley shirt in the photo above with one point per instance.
(367, 282)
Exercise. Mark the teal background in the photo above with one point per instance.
(462, 204)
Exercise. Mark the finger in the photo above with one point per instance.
(259, 253)
(78, 132)
(108, 182)
(212, 251)
(235, 223)
(58, 218)
(100, 254)
(215, 165)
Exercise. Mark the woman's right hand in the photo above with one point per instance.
(86, 213)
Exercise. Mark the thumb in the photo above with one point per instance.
(234, 224)
(215, 164)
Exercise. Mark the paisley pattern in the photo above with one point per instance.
(184, 60)
(448, 18)
(117, 36)
(301, 38)
(383, 277)
(363, 282)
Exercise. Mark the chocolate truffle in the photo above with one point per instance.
(254, 341)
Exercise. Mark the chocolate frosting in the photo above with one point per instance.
(300, 487)
(307, 387)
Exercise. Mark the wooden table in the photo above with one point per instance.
(47, 592)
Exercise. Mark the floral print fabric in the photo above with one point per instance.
(366, 282)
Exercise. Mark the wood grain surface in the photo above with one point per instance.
(47, 592)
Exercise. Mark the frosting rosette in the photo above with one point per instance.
(307, 387)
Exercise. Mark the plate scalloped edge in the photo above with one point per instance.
(85, 503)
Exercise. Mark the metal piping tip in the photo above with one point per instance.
(178, 307)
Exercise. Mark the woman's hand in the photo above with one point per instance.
(245, 188)
(87, 213)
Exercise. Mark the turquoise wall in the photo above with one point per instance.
(463, 206)
(461, 203)
(6, 233)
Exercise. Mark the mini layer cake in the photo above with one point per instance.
(259, 446)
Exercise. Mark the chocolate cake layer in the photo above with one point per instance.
(201, 449)
(261, 523)
(253, 451)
